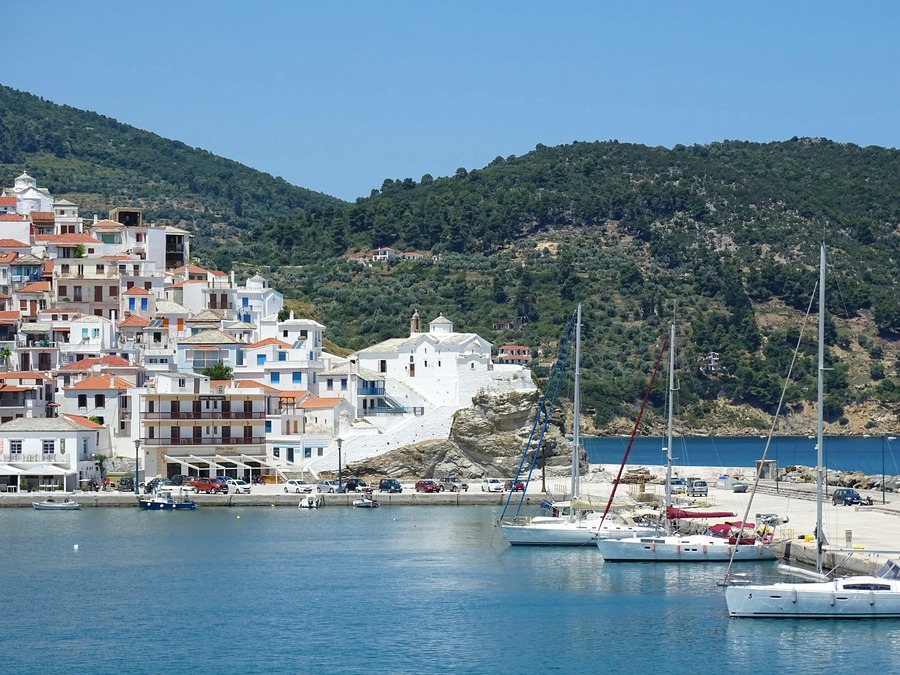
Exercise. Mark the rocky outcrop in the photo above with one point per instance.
(485, 440)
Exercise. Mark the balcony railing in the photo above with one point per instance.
(47, 458)
(211, 415)
(214, 440)
(370, 391)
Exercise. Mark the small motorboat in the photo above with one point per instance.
(311, 502)
(366, 503)
(51, 504)
(165, 502)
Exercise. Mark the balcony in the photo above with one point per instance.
(205, 415)
(370, 391)
(214, 440)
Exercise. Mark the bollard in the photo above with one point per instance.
(849, 536)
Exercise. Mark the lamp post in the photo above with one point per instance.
(137, 447)
(340, 480)
(883, 439)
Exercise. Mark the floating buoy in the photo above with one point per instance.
(76, 547)
(238, 517)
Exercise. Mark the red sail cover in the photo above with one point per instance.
(673, 513)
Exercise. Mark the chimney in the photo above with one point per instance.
(232, 278)
(95, 219)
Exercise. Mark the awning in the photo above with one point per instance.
(46, 470)
(7, 470)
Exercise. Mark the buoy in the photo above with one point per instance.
(238, 517)
(76, 547)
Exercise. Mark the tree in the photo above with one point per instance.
(218, 372)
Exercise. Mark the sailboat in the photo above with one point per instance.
(855, 597)
(573, 522)
(670, 547)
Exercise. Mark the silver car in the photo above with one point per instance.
(492, 485)
(327, 486)
(297, 485)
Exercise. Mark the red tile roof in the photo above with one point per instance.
(137, 290)
(70, 238)
(84, 421)
(10, 217)
(7, 201)
(267, 342)
(134, 321)
(35, 287)
(192, 269)
(315, 403)
(12, 243)
(84, 365)
(42, 215)
(102, 382)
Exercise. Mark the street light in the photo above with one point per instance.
(340, 481)
(137, 447)
(883, 439)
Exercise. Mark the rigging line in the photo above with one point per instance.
(634, 431)
(787, 381)
(555, 374)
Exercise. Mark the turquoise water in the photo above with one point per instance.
(842, 453)
(397, 589)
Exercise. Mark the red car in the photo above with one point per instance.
(514, 485)
(427, 486)
(206, 485)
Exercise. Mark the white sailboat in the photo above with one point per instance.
(855, 597)
(671, 547)
(573, 522)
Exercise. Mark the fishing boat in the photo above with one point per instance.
(820, 596)
(311, 502)
(366, 502)
(51, 504)
(673, 547)
(164, 501)
(577, 521)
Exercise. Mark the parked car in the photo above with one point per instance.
(126, 484)
(427, 486)
(740, 486)
(181, 479)
(297, 485)
(697, 488)
(327, 486)
(453, 483)
(514, 486)
(389, 485)
(155, 484)
(207, 485)
(239, 486)
(491, 485)
(849, 497)
(355, 485)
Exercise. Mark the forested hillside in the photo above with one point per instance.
(722, 237)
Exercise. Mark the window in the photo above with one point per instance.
(275, 378)
(268, 426)
(297, 377)
(82, 400)
(260, 359)
(143, 303)
(307, 453)
(95, 332)
(48, 447)
(15, 447)
(329, 384)
(344, 384)
(284, 333)
(321, 451)
(282, 356)
(63, 291)
(276, 452)
(131, 303)
(100, 269)
(99, 400)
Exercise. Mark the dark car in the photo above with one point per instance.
(126, 484)
(355, 485)
(514, 486)
(389, 485)
(427, 486)
(849, 497)
(222, 482)
(155, 484)
(181, 479)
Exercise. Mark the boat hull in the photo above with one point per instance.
(846, 598)
(690, 549)
(564, 533)
(56, 506)
(167, 506)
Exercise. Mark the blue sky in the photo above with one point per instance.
(336, 96)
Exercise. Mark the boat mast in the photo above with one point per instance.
(820, 455)
(669, 427)
(576, 416)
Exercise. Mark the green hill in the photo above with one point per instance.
(724, 237)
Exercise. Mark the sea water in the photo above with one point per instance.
(390, 590)
(873, 455)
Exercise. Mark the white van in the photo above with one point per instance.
(698, 488)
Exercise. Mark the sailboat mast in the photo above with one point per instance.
(576, 415)
(669, 427)
(820, 425)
